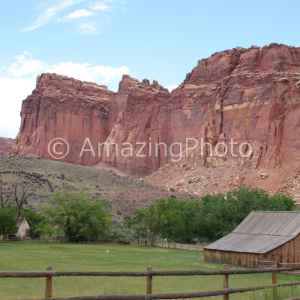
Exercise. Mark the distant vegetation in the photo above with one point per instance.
(69, 214)
(74, 214)
(215, 216)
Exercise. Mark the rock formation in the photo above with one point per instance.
(240, 96)
(6, 145)
(87, 115)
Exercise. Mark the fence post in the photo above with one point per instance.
(225, 282)
(48, 288)
(274, 281)
(149, 282)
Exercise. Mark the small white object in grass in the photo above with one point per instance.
(107, 251)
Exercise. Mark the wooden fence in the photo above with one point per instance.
(173, 245)
(226, 291)
(124, 241)
(263, 264)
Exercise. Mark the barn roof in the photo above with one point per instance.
(260, 232)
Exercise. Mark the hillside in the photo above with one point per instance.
(125, 193)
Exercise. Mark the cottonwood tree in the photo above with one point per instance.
(39, 225)
(172, 218)
(5, 194)
(20, 195)
(212, 218)
(147, 222)
(8, 222)
(222, 213)
(77, 214)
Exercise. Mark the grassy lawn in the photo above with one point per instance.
(35, 256)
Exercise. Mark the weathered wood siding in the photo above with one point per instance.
(287, 253)
(232, 258)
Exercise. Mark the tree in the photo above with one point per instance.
(172, 218)
(222, 213)
(20, 194)
(215, 216)
(77, 214)
(38, 223)
(181, 220)
(5, 195)
(8, 222)
(281, 202)
(147, 223)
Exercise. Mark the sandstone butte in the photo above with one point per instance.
(248, 95)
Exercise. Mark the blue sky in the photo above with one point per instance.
(101, 40)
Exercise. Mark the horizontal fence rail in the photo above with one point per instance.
(175, 295)
(172, 245)
(226, 291)
(25, 274)
(35, 274)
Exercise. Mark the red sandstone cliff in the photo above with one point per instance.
(249, 95)
(86, 115)
(6, 145)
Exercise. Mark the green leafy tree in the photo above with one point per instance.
(8, 222)
(39, 225)
(181, 220)
(222, 213)
(215, 216)
(147, 222)
(172, 218)
(281, 202)
(77, 214)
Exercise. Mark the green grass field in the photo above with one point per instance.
(35, 256)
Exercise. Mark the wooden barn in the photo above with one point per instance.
(271, 236)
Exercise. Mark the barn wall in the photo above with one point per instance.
(287, 253)
(233, 258)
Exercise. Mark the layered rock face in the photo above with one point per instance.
(236, 96)
(87, 116)
(6, 145)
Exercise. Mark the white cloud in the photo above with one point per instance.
(172, 87)
(50, 13)
(78, 14)
(88, 28)
(13, 92)
(86, 72)
(101, 6)
(25, 66)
